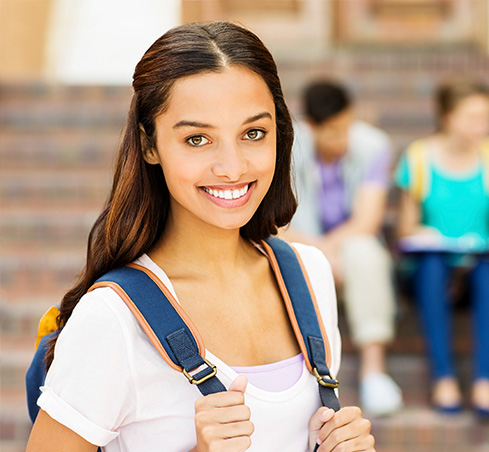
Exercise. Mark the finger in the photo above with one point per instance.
(215, 432)
(356, 428)
(341, 418)
(219, 400)
(321, 416)
(363, 443)
(236, 429)
(239, 384)
(228, 437)
(226, 415)
(241, 443)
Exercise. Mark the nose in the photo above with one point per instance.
(231, 163)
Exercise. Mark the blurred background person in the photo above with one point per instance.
(341, 169)
(444, 221)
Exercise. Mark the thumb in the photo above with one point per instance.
(239, 384)
(321, 416)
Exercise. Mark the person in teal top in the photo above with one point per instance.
(456, 206)
(444, 223)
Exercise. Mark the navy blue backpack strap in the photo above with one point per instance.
(165, 323)
(304, 317)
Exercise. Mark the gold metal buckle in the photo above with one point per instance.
(205, 378)
(328, 384)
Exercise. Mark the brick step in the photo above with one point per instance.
(20, 321)
(58, 149)
(421, 429)
(41, 91)
(41, 273)
(384, 75)
(410, 64)
(28, 114)
(25, 118)
(58, 107)
(43, 187)
(15, 426)
(412, 59)
(408, 339)
(410, 371)
(68, 225)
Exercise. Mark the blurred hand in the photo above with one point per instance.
(222, 420)
(428, 231)
(346, 427)
(330, 250)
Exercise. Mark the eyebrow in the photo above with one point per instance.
(203, 125)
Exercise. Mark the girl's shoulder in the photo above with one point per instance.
(316, 266)
(310, 255)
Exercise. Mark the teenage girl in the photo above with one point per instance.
(202, 177)
(445, 209)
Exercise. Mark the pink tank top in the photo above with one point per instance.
(274, 377)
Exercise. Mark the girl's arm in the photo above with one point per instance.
(49, 435)
(409, 221)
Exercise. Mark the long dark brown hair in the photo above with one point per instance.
(137, 209)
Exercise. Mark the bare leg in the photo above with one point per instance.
(372, 359)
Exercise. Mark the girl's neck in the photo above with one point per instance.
(455, 145)
(454, 154)
(205, 251)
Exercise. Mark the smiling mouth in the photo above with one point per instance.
(227, 194)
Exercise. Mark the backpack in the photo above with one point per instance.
(418, 162)
(177, 340)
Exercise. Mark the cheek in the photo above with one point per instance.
(472, 126)
(268, 161)
(179, 174)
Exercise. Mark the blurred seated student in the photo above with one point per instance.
(444, 224)
(342, 177)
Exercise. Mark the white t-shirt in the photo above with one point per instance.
(109, 384)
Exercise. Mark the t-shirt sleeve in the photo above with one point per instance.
(402, 177)
(89, 387)
(378, 172)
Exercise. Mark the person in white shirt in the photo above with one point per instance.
(202, 177)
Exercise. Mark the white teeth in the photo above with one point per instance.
(227, 194)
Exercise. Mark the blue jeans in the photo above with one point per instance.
(435, 310)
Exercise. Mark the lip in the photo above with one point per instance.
(229, 203)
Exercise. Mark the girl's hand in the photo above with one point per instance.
(346, 427)
(222, 420)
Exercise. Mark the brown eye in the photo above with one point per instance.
(255, 134)
(197, 140)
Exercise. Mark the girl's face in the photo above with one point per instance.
(469, 120)
(216, 144)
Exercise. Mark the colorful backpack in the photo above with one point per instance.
(178, 341)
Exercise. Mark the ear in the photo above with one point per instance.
(150, 153)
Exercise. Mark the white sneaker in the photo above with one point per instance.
(380, 395)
